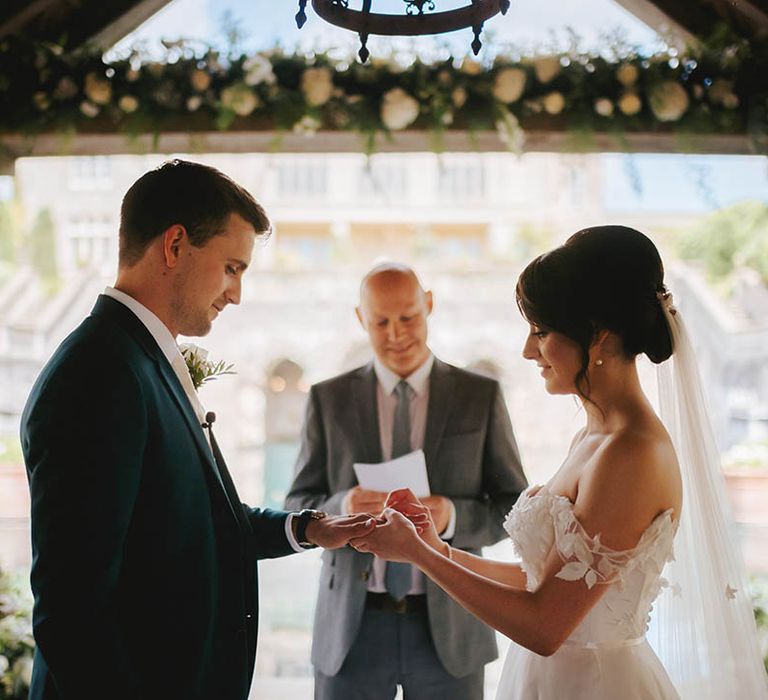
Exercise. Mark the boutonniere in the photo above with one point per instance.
(201, 369)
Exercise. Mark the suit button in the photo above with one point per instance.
(248, 616)
(365, 575)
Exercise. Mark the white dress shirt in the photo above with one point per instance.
(386, 401)
(167, 344)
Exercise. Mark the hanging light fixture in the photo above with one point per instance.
(419, 19)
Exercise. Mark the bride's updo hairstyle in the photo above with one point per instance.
(601, 278)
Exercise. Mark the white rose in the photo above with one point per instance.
(470, 67)
(97, 89)
(398, 109)
(194, 102)
(200, 79)
(509, 84)
(317, 86)
(22, 669)
(240, 99)
(627, 74)
(546, 68)
(603, 106)
(128, 103)
(459, 97)
(258, 69)
(554, 103)
(630, 103)
(3, 664)
(194, 351)
(307, 125)
(668, 100)
(89, 109)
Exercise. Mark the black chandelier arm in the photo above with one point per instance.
(366, 22)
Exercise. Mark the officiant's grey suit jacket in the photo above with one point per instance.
(471, 458)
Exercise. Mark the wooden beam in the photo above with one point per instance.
(651, 13)
(694, 21)
(78, 21)
(127, 22)
(13, 147)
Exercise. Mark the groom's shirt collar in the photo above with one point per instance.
(157, 329)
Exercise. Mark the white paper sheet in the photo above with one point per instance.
(408, 471)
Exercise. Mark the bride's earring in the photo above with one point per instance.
(598, 363)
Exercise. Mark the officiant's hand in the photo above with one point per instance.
(336, 531)
(395, 538)
(405, 502)
(360, 500)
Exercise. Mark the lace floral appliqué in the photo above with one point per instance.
(586, 557)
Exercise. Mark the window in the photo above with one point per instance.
(90, 173)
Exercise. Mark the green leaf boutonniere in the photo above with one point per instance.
(201, 369)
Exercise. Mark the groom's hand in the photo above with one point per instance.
(336, 531)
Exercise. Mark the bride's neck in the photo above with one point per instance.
(616, 398)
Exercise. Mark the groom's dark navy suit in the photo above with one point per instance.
(144, 560)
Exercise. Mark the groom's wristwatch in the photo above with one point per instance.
(302, 520)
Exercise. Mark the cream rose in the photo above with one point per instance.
(398, 109)
(627, 74)
(604, 107)
(459, 97)
(97, 90)
(546, 68)
(240, 99)
(89, 109)
(317, 86)
(509, 84)
(630, 103)
(470, 67)
(200, 79)
(554, 103)
(668, 100)
(128, 103)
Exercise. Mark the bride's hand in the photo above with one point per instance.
(395, 540)
(405, 502)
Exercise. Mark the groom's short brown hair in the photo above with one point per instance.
(196, 196)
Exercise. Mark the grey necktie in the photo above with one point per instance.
(397, 577)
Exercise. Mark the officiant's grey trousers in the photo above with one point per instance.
(394, 649)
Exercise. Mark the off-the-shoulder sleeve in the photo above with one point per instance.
(587, 558)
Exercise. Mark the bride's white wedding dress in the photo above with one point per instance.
(607, 656)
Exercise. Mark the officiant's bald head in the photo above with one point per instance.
(393, 310)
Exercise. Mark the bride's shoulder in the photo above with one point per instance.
(632, 479)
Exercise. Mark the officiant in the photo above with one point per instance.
(378, 624)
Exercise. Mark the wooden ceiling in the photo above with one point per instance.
(75, 22)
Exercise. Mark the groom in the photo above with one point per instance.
(144, 558)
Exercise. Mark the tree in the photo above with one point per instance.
(41, 246)
(733, 237)
(7, 235)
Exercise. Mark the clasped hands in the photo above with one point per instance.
(404, 526)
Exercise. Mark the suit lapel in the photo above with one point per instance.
(441, 386)
(121, 314)
(366, 410)
(190, 418)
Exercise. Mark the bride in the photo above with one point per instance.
(594, 540)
